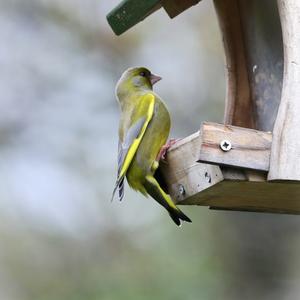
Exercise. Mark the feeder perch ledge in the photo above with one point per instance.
(199, 172)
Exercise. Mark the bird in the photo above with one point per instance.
(143, 131)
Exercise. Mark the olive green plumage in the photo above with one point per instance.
(143, 130)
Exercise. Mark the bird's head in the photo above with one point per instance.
(136, 78)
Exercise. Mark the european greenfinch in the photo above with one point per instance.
(143, 130)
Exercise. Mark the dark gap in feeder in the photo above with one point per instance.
(160, 178)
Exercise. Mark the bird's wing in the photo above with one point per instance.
(123, 149)
(132, 140)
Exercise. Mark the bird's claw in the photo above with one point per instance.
(164, 149)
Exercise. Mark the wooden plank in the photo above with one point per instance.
(185, 177)
(130, 12)
(285, 153)
(258, 210)
(249, 148)
(176, 7)
(252, 196)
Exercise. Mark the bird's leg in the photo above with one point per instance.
(163, 150)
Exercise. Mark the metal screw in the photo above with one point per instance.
(181, 189)
(225, 145)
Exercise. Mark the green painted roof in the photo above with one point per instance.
(130, 12)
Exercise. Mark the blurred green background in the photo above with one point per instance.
(60, 237)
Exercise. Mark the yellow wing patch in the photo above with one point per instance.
(150, 102)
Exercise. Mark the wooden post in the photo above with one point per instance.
(285, 154)
(238, 108)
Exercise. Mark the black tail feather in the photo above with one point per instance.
(120, 187)
(178, 215)
(153, 189)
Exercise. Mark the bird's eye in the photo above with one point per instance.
(143, 74)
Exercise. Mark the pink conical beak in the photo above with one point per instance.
(154, 78)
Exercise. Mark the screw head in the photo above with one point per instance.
(181, 189)
(208, 177)
(225, 145)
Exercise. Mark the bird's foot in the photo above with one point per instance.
(164, 149)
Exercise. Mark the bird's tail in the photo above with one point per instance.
(155, 191)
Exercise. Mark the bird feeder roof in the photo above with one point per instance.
(130, 12)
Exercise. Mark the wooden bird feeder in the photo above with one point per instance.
(252, 161)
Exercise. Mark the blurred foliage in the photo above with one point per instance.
(60, 236)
